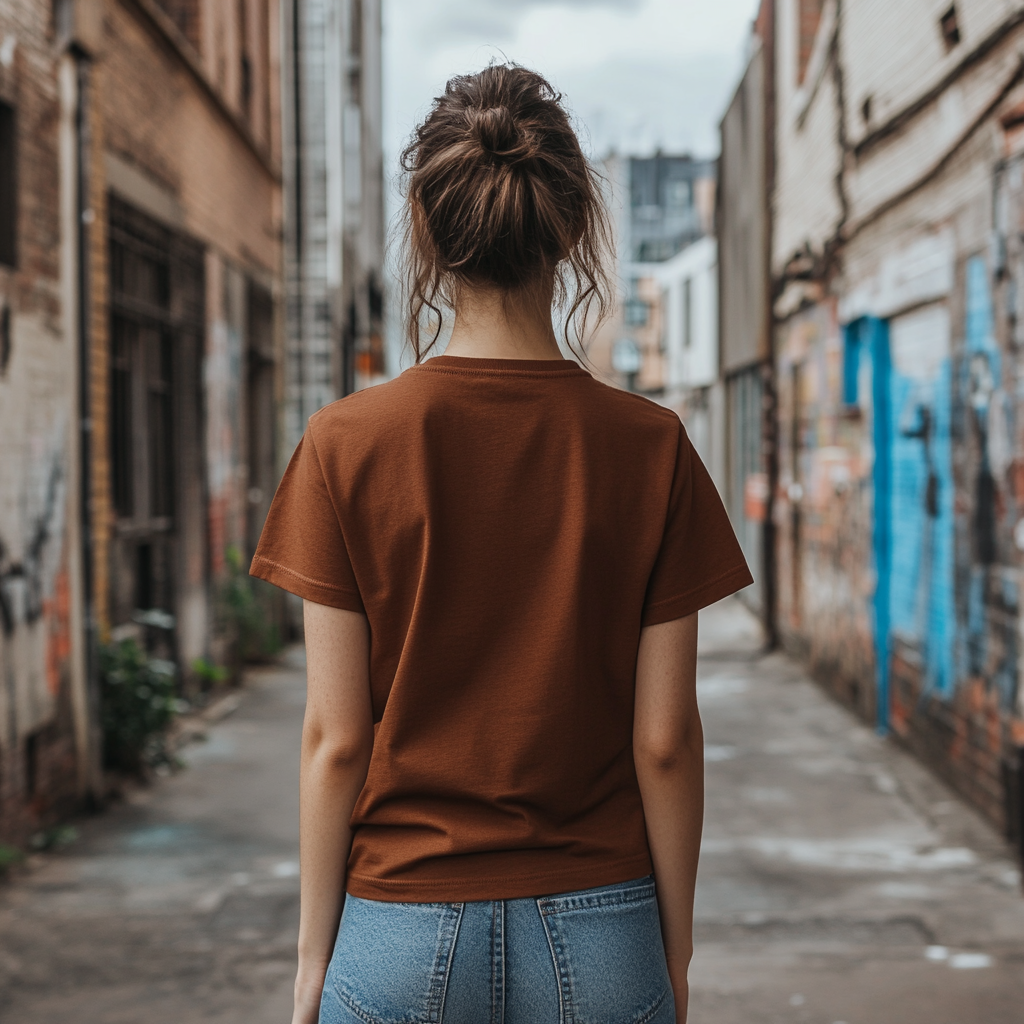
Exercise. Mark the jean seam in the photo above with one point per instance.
(493, 952)
(652, 1009)
(565, 1001)
(452, 919)
(497, 961)
(353, 1007)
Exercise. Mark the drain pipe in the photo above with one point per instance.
(84, 218)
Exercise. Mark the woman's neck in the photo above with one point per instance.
(490, 326)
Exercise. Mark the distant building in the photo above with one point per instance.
(745, 322)
(671, 202)
(661, 206)
(689, 301)
(334, 200)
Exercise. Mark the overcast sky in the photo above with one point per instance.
(637, 74)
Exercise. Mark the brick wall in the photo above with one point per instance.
(39, 761)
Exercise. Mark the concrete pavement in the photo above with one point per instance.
(839, 881)
(181, 905)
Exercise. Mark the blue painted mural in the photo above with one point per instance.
(905, 368)
(921, 599)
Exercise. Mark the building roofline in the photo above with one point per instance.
(167, 32)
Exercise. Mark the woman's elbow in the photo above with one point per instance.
(668, 753)
(341, 752)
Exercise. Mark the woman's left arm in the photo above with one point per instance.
(337, 740)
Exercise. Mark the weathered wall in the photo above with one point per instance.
(43, 733)
(191, 142)
(898, 363)
(823, 508)
(166, 113)
(806, 206)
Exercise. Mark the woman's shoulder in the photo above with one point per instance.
(629, 411)
(364, 409)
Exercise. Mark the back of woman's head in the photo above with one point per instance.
(500, 196)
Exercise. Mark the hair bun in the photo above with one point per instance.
(496, 131)
(499, 195)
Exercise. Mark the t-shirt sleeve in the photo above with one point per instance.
(700, 560)
(302, 547)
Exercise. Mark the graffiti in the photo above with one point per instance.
(984, 399)
(989, 644)
(906, 364)
(921, 501)
(25, 584)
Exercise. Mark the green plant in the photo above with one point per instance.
(9, 856)
(138, 703)
(245, 610)
(54, 838)
(212, 675)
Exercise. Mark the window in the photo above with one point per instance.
(950, 28)
(121, 417)
(678, 194)
(8, 185)
(140, 400)
(636, 312)
(156, 308)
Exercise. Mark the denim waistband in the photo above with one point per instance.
(630, 884)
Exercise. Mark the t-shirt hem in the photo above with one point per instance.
(680, 606)
(304, 586)
(520, 886)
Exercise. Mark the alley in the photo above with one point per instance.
(839, 882)
(180, 905)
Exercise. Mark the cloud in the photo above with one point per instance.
(497, 20)
(637, 73)
(638, 105)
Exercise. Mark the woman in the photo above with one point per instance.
(501, 561)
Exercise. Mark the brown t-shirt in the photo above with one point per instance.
(507, 526)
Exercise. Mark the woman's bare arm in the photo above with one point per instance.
(337, 740)
(668, 748)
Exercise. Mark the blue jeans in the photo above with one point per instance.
(588, 957)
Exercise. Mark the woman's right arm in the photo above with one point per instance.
(668, 750)
(337, 741)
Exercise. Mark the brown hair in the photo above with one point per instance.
(500, 194)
